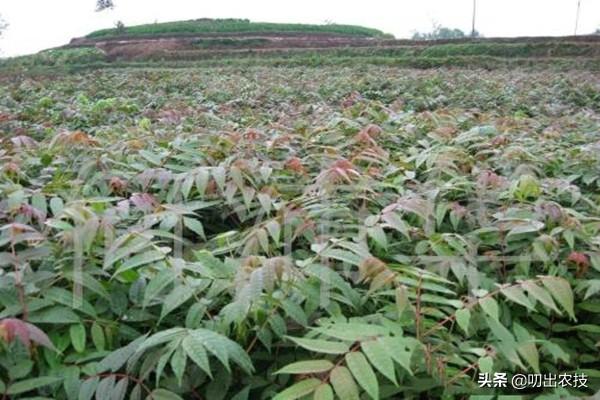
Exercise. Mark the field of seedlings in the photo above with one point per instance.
(364, 232)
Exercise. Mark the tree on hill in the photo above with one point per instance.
(3, 25)
(120, 27)
(102, 5)
(442, 32)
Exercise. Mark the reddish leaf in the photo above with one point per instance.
(11, 328)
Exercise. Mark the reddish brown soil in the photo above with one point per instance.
(132, 48)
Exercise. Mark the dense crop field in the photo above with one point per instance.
(230, 26)
(256, 233)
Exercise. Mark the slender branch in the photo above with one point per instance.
(255, 339)
(19, 282)
(462, 373)
(470, 305)
(121, 375)
(418, 308)
(341, 360)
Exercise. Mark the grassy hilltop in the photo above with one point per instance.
(208, 26)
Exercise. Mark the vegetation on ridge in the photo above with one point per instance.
(231, 26)
(563, 55)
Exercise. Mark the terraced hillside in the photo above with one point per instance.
(241, 42)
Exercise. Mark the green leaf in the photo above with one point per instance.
(342, 255)
(343, 384)
(378, 235)
(590, 328)
(136, 393)
(115, 360)
(526, 347)
(178, 362)
(54, 315)
(263, 239)
(177, 297)
(120, 390)
(105, 388)
(486, 364)
(28, 385)
(195, 226)
(397, 223)
(352, 331)
(569, 238)
(168, 335)
(363, 373)
(294, 311)
(38, 201)
(561, 291)
(380, 358)
(201, 180)
(540, 294)
(507, 344)
(274, 229)
(98, 336)
(155, 159)
(239, 356)
(163, 361)
(243, 394)
(222, 348)
(490, 307)
(56, 205)
(65, 298)
(500, 331)
(306, 367)
(163, 394)
(527, 226)
(20, 369)
(323, 392)
(157, 285)
(298, 390)
(213, 264)
(556, 351)
(278, 325)
(213, 343)
(463, 317)
(516, 294)
(78, 336)
(508, 350)
(402, 301)
(400, 349)
(90, 283)
(144, 258)
(218, 388)
(440, 212)
(320, 346)
(125, 246)
(197, 353)
(88, 388)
